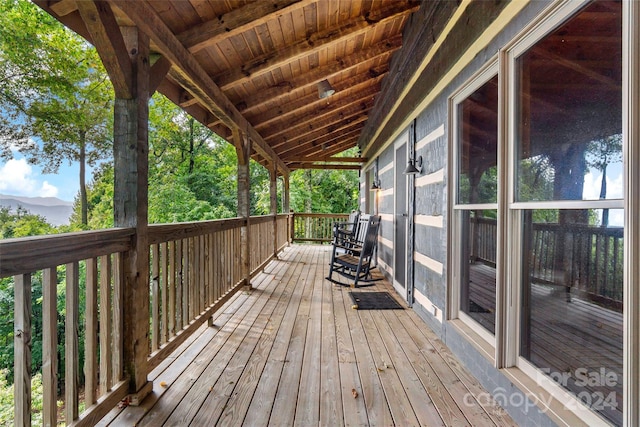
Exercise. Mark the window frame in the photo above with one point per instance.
(506, 341)
(477, 80)
(551, 20)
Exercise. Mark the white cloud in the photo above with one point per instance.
(17, 178)
(48, 190)
(592, 183)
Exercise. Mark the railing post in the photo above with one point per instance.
(130, 210)
(273, 192)
(243, 150)
(22, 350)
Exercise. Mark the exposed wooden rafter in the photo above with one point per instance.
(190, 74)
(254, 66)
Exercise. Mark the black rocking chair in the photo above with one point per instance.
(355, 263)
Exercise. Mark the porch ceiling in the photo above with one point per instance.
(256, 65)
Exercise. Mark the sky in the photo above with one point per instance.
(19, 178)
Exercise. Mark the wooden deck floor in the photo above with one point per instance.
(293, 352)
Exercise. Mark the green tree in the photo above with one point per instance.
(54, 88)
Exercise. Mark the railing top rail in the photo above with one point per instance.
(322, 215)
(28, 254)
(160, 233)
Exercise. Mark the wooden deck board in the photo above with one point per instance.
(291, 351)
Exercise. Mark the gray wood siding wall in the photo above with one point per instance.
(431, 198)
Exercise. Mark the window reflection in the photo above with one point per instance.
(478, 145)
(478, 275)
(570, 110)
(572, 292)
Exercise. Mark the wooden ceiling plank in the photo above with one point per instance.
(334, 149)
(310, 45)
(335, 119)
(323, 137)
(190, 74)
(326, 140)
(107, 38)
(364, 57)
(332, 159)
(360, 82)
(323, 166)
(334, 112)
(237, 22)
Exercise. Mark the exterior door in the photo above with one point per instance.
(400, 220)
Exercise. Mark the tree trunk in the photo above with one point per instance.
(83, 188)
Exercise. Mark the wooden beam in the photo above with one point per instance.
(190, 74)
(363, 58)
(107, 38)
(158, 73)
(237, 22)
(311, 45)
(294, 166)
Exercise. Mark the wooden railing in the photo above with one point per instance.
(315, 227)
(194, 269)
(588, 259)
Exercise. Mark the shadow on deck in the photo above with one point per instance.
(294, 352)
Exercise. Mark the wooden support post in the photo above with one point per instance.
(273, 192)
(243, 149)
(131, 148)
(285, 206)
(22, 350)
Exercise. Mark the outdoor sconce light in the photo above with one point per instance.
(376, 184)
(325, 89)
(414, 168)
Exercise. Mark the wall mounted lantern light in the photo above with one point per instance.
(325, 89)
(414, 168)
(376, 185)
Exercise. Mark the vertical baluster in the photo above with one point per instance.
(22, 350)
(71, 343)
(49, 347)
(117, 369)
(155, 297)
(91, 333)
(105, 324)
(164, 263)
(185, 282)
(179, 282)
(202, 274)
(173, 278)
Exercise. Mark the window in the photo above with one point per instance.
(476, 191)
(538, 211)
(567, 204)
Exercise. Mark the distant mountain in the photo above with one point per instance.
(56, 211)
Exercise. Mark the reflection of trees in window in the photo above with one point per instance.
(600, 154)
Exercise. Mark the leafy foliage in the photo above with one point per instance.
(52, 88)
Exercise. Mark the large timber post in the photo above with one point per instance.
(243, 150)
(273, 193)
(285, 205)
(130, 210)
